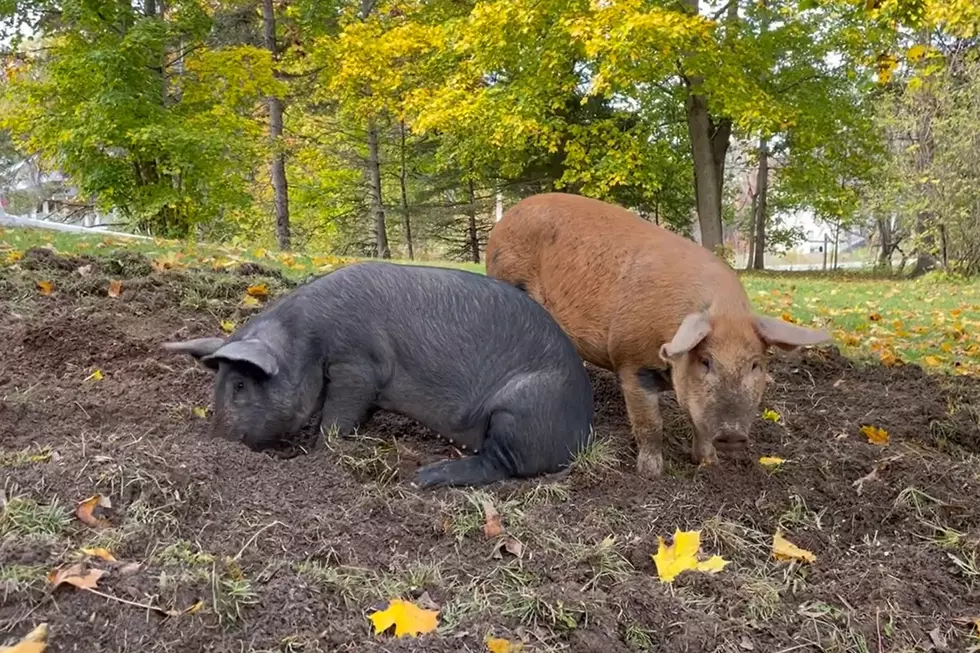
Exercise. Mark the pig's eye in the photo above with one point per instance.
(239, 386)
(705, 365)
(756, 366)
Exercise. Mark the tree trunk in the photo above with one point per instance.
(761, 206)
(710, 140)
(887, 247)
(377, 204)
(474, 237)
(403, 181)
(279, 187)
(925, 241)
(707, 184)
(374, 170)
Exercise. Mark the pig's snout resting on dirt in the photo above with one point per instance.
(658, 309)
(472, 358)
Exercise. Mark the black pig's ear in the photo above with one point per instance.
(255, 352)
(199, 348)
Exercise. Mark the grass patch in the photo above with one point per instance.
(26, 517)
(25, 457)
(597, 458)
(932, 320)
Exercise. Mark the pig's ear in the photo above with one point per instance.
(782, 334)
(199, 348)
(694, 329)
(254, 352)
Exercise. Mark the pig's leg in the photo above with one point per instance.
(498, 459)
(643, 408)
(351, 393)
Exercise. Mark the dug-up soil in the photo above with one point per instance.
(219, 548)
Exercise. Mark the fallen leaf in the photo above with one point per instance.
(501, 645)
(115, 288)
(875, 435)
(201, 412)
(77, 576)
(94, 376)
(783, 549)
(875, 317)
(84, 270)
(932, 361)
(491, 526)
(194, 609)
(682, 555)
(14, 256)
(770, 415)
(248, 300)
(407, 618)
(227, 326)
(86, 510)
(46, 287)
(259, 290)
(99, 552)
(509, 544)
(33, 642)
(771, 461)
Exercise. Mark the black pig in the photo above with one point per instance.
(472, 358)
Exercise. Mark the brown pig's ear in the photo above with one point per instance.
(782, 334)
(694, 329)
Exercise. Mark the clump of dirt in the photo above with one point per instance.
(255, 552)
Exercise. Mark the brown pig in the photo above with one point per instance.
(652, 306)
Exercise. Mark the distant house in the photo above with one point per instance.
(29, 191)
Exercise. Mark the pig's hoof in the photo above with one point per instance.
(705, 458)
(649, 464)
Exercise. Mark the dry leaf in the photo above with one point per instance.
(94, 376)
(682, 555)
(509, 544)
(875, 435)
(875, 317)
(115, 288)
(250, 301)
(227, 326)
(86, 510)
(77, 576)
(491, 526)
(84, 270)
(783, 549)
(201, 412)
(33, 642)
(99, 552)
(407, 618)
(501, 645)
(770, 415)
(771, 461)
(259, 290)
(932, 361)
(45, 287)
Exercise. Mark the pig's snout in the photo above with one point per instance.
(730, 440)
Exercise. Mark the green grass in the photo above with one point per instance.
(934, 320)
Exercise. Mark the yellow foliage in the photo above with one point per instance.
(783, 549)
(875, 434)
(770, 415)
(682, 555)
(771, 461)
(33, 642)
(407, 618)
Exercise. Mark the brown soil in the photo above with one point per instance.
(291, 555)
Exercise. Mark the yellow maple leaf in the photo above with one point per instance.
(932, 361)
(770, 415)
(227, 326)
(33, 642)
(771, 461)
(258, 290)
(406, 617)
(783, 549)
(874, 434)
(14, 256)
(501, 645)
(201, 412)
(45, 287)
(99, 552)
(248, 300)
(94, 376)
(682, 555)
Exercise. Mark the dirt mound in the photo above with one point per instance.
(290, 555)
